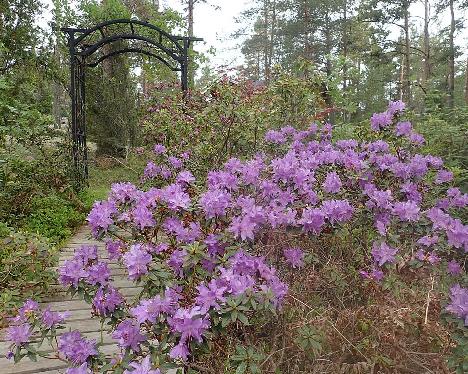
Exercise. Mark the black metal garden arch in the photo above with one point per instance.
(87, 49)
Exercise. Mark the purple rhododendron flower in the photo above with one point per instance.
(428, 241)
(215, 202)
(180, 351)
(159, 149)
(337, 210)
(383, 253)
(28, 309)
(294, 257)
(83, 369)
(115, 249)
(128, 335)
(406, 211)
(137, 260)
(50, 319)
(459, 302)
(380, 120)
(457, 234)
(454, 268)
(190, 323)
(275, 137)
(433, 258)
(242, 227)
(312, 220)
(151, 170)
(149, 310)
(71, 272)
(142, 217)
(175, 197)
(19, 334)
(86, 254)
(100, 217)
(143, 368)
(176, 261)
(123, 192)
(209, 297)
(416, 138)
(106, 301)
(396, 107)
(98, 273)
(443, 176)
(332, 183)
(165, 172)
(75, 348)
(175, 162)
(185, 177)
(403, 128)
(376, 274)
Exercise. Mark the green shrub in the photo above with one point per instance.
(230, 117)
(25, 267)
(53, 217)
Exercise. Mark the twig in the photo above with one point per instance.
(273, 353)
(202, 368)
(428, 300)
(128, 167)
(332, 325)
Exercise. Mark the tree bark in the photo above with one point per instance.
(266, 47)
(406, 92)
(57, 91)
(272, 34)
(427, 51)
(451, 65)
(191, 70)
(466, 82)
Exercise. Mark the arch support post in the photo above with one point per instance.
(184, 69)
(78, 112)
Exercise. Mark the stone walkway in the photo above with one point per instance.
(80, 313)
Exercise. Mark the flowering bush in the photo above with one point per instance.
(202, 255)
(230, 116)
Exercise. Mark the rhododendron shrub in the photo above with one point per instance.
(202, 254)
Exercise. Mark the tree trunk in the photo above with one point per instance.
(344, 39)
(451, 66)
(191, 68)
(328, 64)
(272, 34)
(308, 51)
(427, 51)
(57, 91)
(266, 47)
(406, 92)
(466, 82)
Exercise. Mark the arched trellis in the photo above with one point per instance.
(87, 49)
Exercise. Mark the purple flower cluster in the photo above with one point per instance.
(128, 335)
(19, 334)
(106, 301)
(142, 368)
(309, 186)
(137, 260)
(75, 348)
(84, 266)
(383, 253)
(459, 302)
(294, 257)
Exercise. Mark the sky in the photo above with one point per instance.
(215, 22)
(216, 26)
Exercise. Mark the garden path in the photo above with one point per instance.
(80, 314)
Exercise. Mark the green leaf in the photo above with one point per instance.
(243, 318)
(241, 368)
